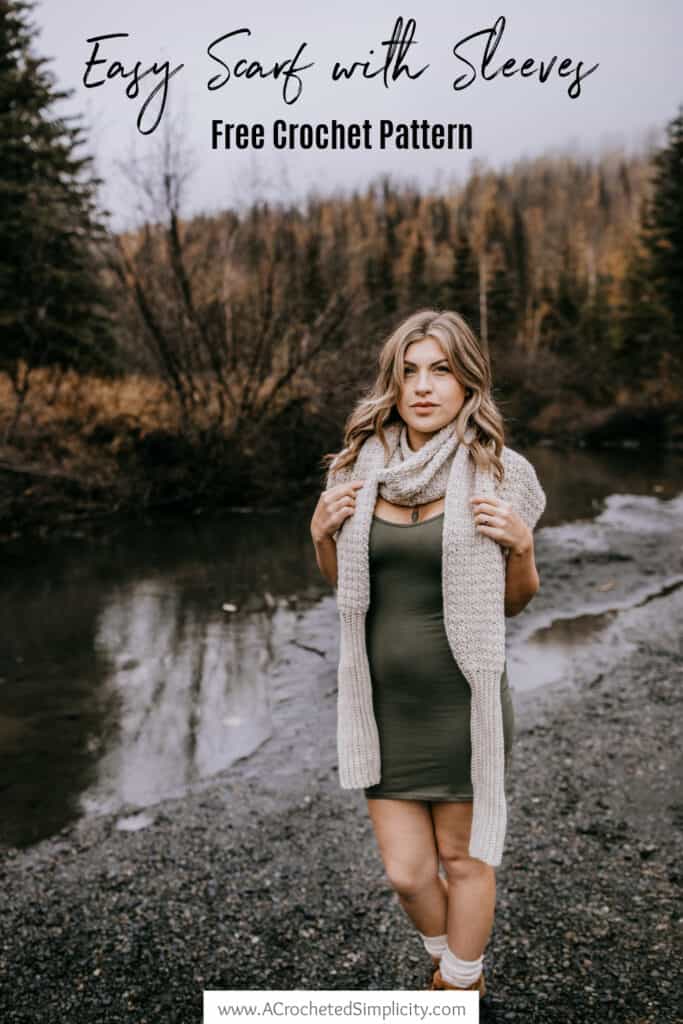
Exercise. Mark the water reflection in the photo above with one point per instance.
(550, 654)
(124, 676)
(189, 685)
(595, 572)
(578, 481)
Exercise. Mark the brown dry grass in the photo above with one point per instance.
(55, 399)
(60, 412)
(77, 423)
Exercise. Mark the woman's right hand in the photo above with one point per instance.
(334, 506)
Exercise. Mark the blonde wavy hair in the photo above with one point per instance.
(467, 360)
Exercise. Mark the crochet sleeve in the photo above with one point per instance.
(339, 476)
(521, 488)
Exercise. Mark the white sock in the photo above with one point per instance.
(435, 944)
(459, 972)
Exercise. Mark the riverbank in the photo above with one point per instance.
(89, 452)
(268, 877)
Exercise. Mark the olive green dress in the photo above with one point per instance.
(421, 698)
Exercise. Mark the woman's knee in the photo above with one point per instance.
(409, 880)
(405, 834)
(460, 867)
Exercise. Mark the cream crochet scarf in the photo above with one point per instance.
(473, 584)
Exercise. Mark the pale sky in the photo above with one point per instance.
(627, 100)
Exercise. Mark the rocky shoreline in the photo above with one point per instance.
(268, 877)
(274, 882)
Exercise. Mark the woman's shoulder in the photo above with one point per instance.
(336, 476)
(521, 486)
(370, 455)
(515, 463)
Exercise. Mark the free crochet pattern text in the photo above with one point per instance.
(109, 60)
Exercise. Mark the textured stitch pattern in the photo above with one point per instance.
(473, 583)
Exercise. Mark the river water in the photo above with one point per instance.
(136, 669)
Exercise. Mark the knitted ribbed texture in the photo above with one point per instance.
(357, 736)
(473, 583)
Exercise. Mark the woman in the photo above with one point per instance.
(426, 530)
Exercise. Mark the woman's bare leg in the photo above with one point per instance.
(405, 836)
(472, 883)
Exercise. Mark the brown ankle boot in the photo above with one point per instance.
(440, 983)
(435, 963)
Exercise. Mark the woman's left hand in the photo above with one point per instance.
(495, 518)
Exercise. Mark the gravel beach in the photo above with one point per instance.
(268, 876)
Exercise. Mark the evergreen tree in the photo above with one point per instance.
(561, 331)
(502, 308)
(596, 362)
(417, 282)
(385, 266)
(386, 280)
(518, 260)
(663, 223)
(53, 309)
(314, 291)
(641, 323)
(463, 290)
(441, 221)
(648, 332)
